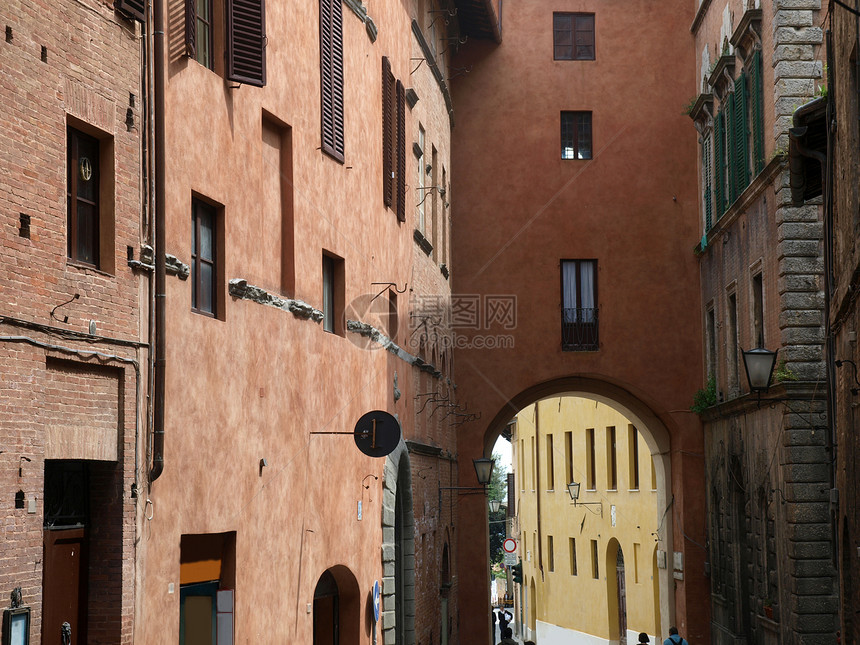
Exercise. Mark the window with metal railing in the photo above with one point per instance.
(579, 314)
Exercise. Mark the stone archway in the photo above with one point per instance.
(656, 436)
(398, 549)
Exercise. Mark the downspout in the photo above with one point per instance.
(160, 267)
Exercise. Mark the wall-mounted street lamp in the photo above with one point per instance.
(758, 364)
(573, 491)
(495, 505)
(483, 471)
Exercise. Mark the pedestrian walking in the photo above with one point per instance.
(675, 638)
(643, 638)
(508, 637)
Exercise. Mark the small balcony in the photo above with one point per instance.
(579, 328)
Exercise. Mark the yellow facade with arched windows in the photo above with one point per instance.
(589, 568)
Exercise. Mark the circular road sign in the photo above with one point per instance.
(377, 433)
(509, 545)
(376, 601)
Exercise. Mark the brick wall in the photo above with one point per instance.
(75, 63)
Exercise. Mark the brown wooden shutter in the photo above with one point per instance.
(388, 134)
(331, 77)
(246, 41)
(134, 8)
(191, 28)
(401, 152)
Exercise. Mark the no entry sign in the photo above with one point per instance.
(510, 545)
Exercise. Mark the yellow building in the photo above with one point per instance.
(590, 572)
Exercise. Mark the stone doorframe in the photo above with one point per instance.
(398, 475)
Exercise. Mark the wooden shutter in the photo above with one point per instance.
(134, 8)
(740, 133)
(191, 28)
(706, 182)
(331, 77)
(246, 41)
(719, 166)
(401, 152)
(388, 134)
(757, 111)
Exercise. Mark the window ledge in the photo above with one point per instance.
(87, 267)
(725, 63)
(700, 14)
(748, 29)
(703, 106)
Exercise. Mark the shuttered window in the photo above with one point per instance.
(756, 96)
(389, 131)
(707, 205)
(198, 31)
(134, 8)
(739, 139)
(719, 166)
(401, 152)
(331, 77)
(246, 41)
(245, 37)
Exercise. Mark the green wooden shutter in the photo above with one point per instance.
(719, 166)
(757, 111)
(740, 132)
(191, 28)
(706, 182)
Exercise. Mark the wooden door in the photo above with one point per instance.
(64, 586)
(622, 600)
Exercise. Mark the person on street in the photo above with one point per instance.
(674, 638)
(507, 637)
(643, 638)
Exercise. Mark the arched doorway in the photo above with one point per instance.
(337, 611)
(616, 593)
(444, 592)
(532, 607)
(398, 548)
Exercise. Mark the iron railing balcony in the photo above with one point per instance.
(579, 329)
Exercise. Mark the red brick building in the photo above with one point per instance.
(73, 335)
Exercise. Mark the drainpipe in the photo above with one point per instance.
(160, 268)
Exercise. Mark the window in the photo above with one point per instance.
(207, 564)
(732, 344)
(333, 294)
(579, 305)
(572, 546)
(573, 36)
(568, 457)
(711, 340)
(633, 450)
(419, 183)
(707, 165)
(331, 78)
(576, 135)
(203, 258)
(589, 461)
(244, 37)
(758, 310)
(83, 192)
(393, 142)
(550, 464)
(611, 458)
(534, 463)
(595, 568)
(202, 22)
(550, 553)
